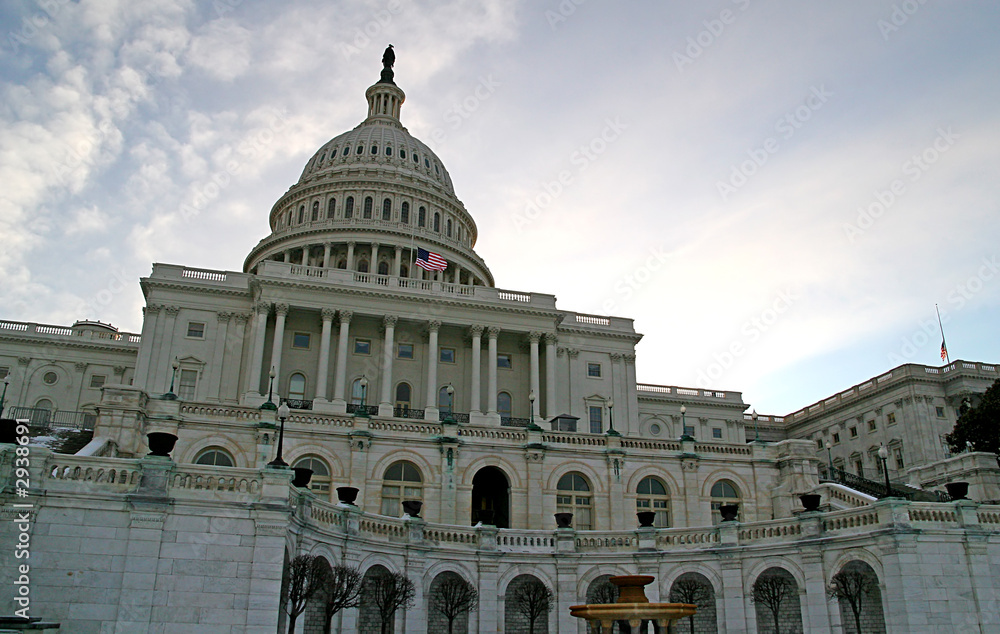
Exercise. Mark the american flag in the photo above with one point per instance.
(944, 351)
(430, 261)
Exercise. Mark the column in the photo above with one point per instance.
(430, 405)
(458, 273)
(229, 388)
(491, 372)
(632, 415)
(350, 256)
(734, 609)
(341, 378)
(373, 267)
(218, 358)
(324, 350)
(281, 311)
(287, 256)
(388, 345)
(813, 598)
(550, 376)
(616, 393)
(326, 255)
(533, 338)
(476, 403)
(163, 368)
(397, 261)
(257, 356)
(149, 314)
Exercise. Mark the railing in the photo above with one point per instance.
(298, 403)
(406, 412)
(42, 420)
(507, 421)
(65, 331)
(686, 391)
(355, 408)
(856, 482)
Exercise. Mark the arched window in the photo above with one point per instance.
(330, 207)
(386, 209)
(446, 402)
(403, 395)
(302, 212)
(448, 225)
(315, 211)
(416, 157)
(402, 481)
(362, 266)
(437, 222)
(402, 154)
(215, 456)
(374, 149)
(383, 268)
(723, 492)
(404, 271)
(367, 214)
(288, 218)
(45, 404)
(404, 213)
(388, 151)
(651, 495)
(297, 386)
(347, 150)
(349, 207)
(574, 497)
(321, 473)
(422, 217)
(358, 392)
(504, 405)
(342, 263)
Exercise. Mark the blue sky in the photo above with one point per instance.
(777, 192)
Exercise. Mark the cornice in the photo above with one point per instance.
(633, 337)
(214, 290)
(126, 347)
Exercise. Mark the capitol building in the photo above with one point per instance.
(404, 372)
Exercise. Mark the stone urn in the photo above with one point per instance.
(302, 477)
(161, 443)
(810, 501)
(646, 518)
(729, 512)
(564, 520)
(957, 490)
(412, 507)
(347, 495)
(486, 517)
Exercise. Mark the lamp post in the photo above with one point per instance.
(362, 411)
(283, 412)
(3, 397)
(611, 418)
(883, 454)
(531, 406)
(269, 405)
(829, 457)
(684, 434)
(450, 417)
(170, 396)
(756, 431)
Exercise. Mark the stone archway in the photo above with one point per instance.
(491, 492)
(694, 587)
(867, 598)
(780, 587)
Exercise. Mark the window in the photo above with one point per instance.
(386, 209)
(421, 215)
(315, 211)
(651, 495)
(940, 412)
(819, 443)
(404, 213)
(196, 330)
(596, 419)
(300, 340)
(360, 149)
(367, 213)
(872, 426)
(897, 453)
(890, 418)
(50, 378)
(331, 207)
(404, 351)
(216, 457)
(446, 402)
(402, 154)
(302, 212)
(437, 222)
(503, 405)
(362, 346)
(447, 355)
(403, 395)
(297, 386)
(838, 464)
(723, 492)
(416, 157)
(362, 266)
(45, 404)
(97, 381)
(689, 430)
(383, 268)
(359, 392)
(347, 151)
(717, 432)
(402, 481)
(321, 473)
(655, 429)
(374, 149)
(349, 207)
(594, 370)
(388, 151)
(854, 432)
(187, 385)
(573, 496)
(504, 361)
(4, 372)
(859, 465)
(836, 438)
(448, 227)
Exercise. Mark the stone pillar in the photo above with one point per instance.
(149, 315)
(476, 403)
(489, 577)
(458, 274)
(565, 596)
(733, 599)
(340, 380)
(572, 354)
(535, 460)
(385, 402)
(323, 371)
(373, 267)
(287, 256)
(533, 338)
(162, 368)
(350, 256)
(632, 400)
(278, 345)
(397, 261)
(448, 511)
(491, 373)
(815, 604)
(229, 387)
(430, 404)
(257, 356)
(550, 376)
(326, 255)
(218, 357)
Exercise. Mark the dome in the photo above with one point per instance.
(371, 188)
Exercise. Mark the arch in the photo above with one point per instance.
(448, 227)
(387, 209)
(215, 456)
(601, 590)
(491, 497)
(369, 619)
(359, 392)
(367, 210)
(314, 617)
(321, 472)
(331, 206)
(861, 610)
(787, 612)
(333, 463)
(302, 213)
(404, 211)
(497, 461)
(446, 402)
(404, 395)
(575, 494)
(566, 467)
(505, 404)
(653, 494)
(362, 265)
(315, 211)
(437, 222)
(696, 588)
(231, 448)
(404, 270)
(349, 205)
(297, 386)
(402, 480)
(436, 620)
(421, 212)
(383, 268)
(515, 621)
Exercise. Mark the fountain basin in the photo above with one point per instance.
(632, 606)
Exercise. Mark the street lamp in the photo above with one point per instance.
(883, 454)
(269, 405)
(684, 434)
(170, 396)
(450, 390)
(756, 431)
(362, 411)
(531, 405)
(611, 418)
(829, 456)
(283, 413)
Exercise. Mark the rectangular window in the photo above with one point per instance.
(447, 355)
(890, 418)
(504, 361)
(716, 432)
(196, 330)
(898, 454)
(300, 340)
(940, 412)
(872, 426)
(854, 432)
(859, 467)
(404, 351)
(594, 370)
(819, 443)
(188, 383)
(689, 430)
(97, 381)
(362, 346)
(596, 419)
(4, 372)
(836, 438)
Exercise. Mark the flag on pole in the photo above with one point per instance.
(430, 261)
(944, 351)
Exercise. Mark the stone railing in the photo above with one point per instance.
(773, 530)
(524, 541)
(847, 496)
(671, 538)
(188, 477)
(651, 390)
(127, 339)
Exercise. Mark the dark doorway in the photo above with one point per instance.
(491, 496)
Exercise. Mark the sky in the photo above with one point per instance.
(778, 193)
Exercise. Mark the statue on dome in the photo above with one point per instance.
(388, 59)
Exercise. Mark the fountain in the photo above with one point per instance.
(632, 607)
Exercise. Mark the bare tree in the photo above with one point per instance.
(532, 599)
(771, 591)
(305, 576)
(389, 591)
(454, 596)
(340, 590)
(604, 592)
(689, 591)
(852, 586)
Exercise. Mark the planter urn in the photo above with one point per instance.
(302, 477)
(646, 518)
(161, 443)
(412, 507)
(810, 501)
(729, 512)
(347, 495)
(957, 490)
(564, 520)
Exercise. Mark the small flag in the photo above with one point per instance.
(430, 261)
(944, 351)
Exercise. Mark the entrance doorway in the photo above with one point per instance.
(491, 496)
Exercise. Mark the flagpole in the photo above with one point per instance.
(412, 259)
(944, 346)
